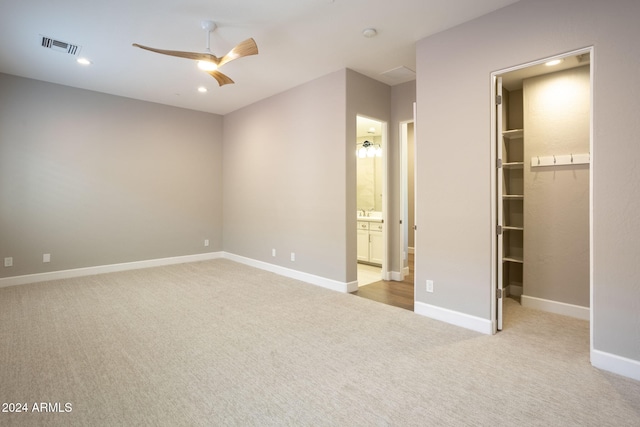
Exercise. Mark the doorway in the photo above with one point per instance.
(371, 199)
(542, 189)
(407, 196)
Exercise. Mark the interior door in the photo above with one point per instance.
(500, 207)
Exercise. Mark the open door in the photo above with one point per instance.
(500, 204)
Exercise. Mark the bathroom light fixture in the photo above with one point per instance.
(553, 62)
(83, 61)
(202, 89)
(369, 149)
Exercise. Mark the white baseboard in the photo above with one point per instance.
(295, 274)
(617, 364)
(463, 320)
(395, 276)
(111, 268)
(556, 307)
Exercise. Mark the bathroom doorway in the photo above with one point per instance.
(371, 199)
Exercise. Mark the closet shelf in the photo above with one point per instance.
(513, 134)
(511, 227)
(512, 258)
(513, 196)
(513, 165)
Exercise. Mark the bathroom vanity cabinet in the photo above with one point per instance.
(370, 243)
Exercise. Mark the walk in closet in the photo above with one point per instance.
(543, 172)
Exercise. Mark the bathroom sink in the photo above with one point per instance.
(370, 218)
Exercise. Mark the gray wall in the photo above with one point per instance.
(290, 174)
(369, 98)
(402, 98)
(304, 172)
(284, 179)
(454, 154)
(95, 179)
(556, 199)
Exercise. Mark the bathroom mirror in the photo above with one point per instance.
(369, 152)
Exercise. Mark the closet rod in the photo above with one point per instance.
(561, 160)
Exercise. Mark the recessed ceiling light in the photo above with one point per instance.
(554, 62)
(202, 89)
(83, 61)
(369, 32)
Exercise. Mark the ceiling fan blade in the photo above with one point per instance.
(188, 55)
(221, 78)
(246, 48)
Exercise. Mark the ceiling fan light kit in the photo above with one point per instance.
(207, 66)
(207, 61)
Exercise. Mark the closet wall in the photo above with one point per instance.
(556, 202)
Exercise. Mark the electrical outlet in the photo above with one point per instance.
(206, 242)
(429, 285)
(273, 252)
(8, 261)
(293, 256)
(46, 257)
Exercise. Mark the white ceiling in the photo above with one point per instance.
(298, 40)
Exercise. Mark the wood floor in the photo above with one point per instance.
(398, 294)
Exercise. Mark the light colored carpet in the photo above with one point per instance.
(219, 343)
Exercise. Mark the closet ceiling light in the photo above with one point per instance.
(554, 62)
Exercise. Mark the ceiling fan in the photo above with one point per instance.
(207, 61)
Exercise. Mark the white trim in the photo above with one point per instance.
(456, 318)
(111, 268)
(295, 274)
(135, 265)
(617, 364)
(577, 311)
(397, 276)
(592, 77)
(493, 197)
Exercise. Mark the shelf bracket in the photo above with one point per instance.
(499, 230)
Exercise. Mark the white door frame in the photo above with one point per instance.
(403, 242)
(495, 260)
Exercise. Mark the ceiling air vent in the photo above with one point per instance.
(60, 46)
